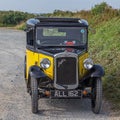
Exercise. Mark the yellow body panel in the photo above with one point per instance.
(31, 58)
(34, 58)
(82, 70)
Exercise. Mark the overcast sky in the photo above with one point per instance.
(47, 6)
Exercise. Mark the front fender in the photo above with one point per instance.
(36, 72)
(97, 71)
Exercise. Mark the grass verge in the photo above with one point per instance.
(105, 50)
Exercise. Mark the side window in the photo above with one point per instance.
(30, 37)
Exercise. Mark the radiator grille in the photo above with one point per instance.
(66, 71)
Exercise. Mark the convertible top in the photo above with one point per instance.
(58, 19)
(55, 21)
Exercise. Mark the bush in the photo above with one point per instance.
(12, 18)
(99, 8)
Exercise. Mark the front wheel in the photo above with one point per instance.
(96, 100)
(34, 95)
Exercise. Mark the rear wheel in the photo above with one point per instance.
(34, 95)
(96, 100)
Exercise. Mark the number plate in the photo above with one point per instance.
(66, 94)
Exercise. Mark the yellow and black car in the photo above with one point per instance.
(57, 63)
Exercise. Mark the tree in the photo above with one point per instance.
(99, 8)
(13, 18)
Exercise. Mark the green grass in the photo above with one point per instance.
(21, 26)
(105, 50)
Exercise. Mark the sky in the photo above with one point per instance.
(48, 6)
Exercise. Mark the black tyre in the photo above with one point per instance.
(96, 100)
(34, 95)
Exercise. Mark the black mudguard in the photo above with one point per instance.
(36, 72)
(97, 71)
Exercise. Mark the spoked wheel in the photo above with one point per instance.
(34, 95)
(96, 100)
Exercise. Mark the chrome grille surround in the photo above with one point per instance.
(65, 55)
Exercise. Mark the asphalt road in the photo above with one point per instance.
(15, 103)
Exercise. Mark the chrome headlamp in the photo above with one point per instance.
(45, 63)
(88, 63)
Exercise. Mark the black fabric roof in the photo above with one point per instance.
(56, 21)
(73, 20)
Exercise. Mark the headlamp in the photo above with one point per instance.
(45, 63)
(88, 63)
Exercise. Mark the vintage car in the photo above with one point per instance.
(57, 63)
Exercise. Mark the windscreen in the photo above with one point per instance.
(61, 36)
